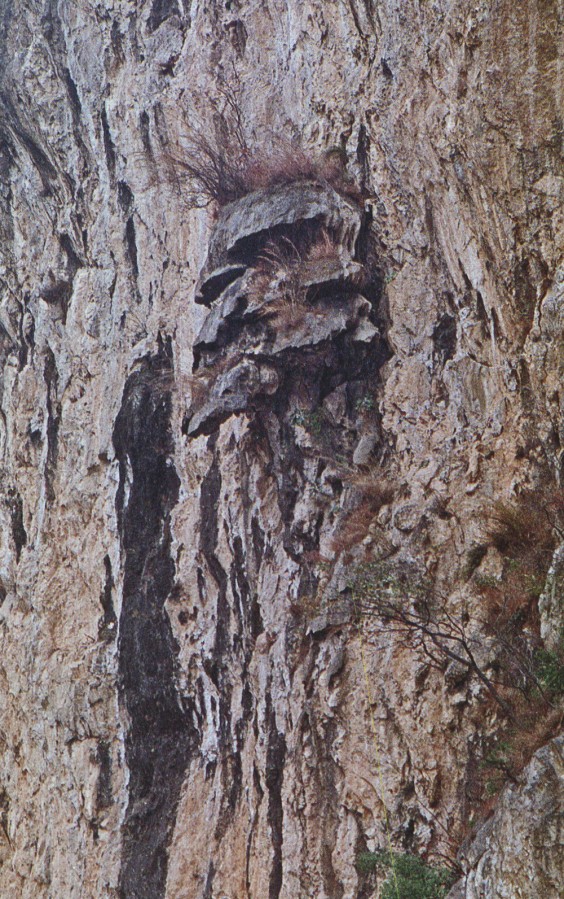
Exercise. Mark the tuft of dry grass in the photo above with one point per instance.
(537, 724)
(323, 246)
(354, 528)
(522, 528)
(215, 163)
(375, 488)
(525, 533)
(284, 162)
(512, 748)
(375, 492)
(281, 266)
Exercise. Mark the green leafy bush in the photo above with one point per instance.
(549, 667)
(313, 421)
(409, 876)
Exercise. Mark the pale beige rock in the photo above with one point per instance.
(520, 849)
(448, 115)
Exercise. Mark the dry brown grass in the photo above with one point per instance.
(525, 533)
(281, 267)
(283, 162)
(323, 246)
(511, 749)
(376, 489)
(538, 723)
(375, 492)
(280, 257)
(354, 528)
(523, 528)
(215, 163)
(198, 386)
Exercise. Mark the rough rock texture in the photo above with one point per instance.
(289, 311)
(185, 711)
(519, 850)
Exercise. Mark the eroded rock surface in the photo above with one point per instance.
(204, 433)
(520, 848)
(296, 306)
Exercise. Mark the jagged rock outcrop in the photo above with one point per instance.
(263, 214)
(291, 301)
(212, 419)
(520, 848)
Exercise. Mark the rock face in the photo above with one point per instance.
(291, 309)
(212, 419)
(520, 848)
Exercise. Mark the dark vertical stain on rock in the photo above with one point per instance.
(11, 117)
(109, 148)
(104, 788)
(209, 497)
(241, 590)
(74, 262)
(125, 197)
(51, 378)
(145, 130)
(208, 894)
(25, 342)
(160, 11)
(217, 667)
(131, 246)
(363, 156)
(76, 105)
(19, 534)
(161, 737)
(444, 338)
(237, 35)
(107, 626)
(274, 775)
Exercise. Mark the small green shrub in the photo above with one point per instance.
(549, 669)
(365, 403)
(367, 862)
(409, 876)
(498, 757)
(313, 421)
(493, 785)
(499, 762)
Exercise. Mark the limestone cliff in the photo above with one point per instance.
(248, 425)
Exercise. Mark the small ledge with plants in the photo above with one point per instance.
(289, 286)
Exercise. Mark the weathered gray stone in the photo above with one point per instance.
(231, 394)
(551, 602)
(518, 853)
(364, 448)
(299, 327)
(213, 284)
(259, 213)
(230, 300)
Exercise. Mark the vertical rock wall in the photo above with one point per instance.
(184, 709)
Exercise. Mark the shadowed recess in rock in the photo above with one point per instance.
(161, 738)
